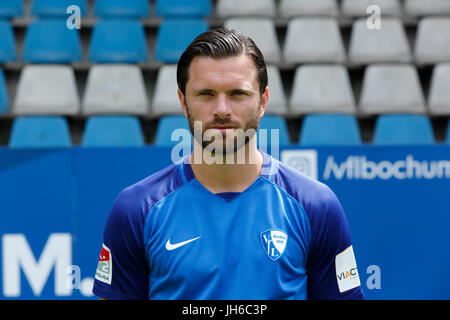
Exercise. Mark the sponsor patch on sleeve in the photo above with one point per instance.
(104, 267)
(346, 271)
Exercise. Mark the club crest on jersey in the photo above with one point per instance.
(274, 242)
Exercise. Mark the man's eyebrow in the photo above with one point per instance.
(196, 91)
(241, 89)
(202, 90)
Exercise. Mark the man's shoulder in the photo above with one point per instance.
(310, 193)
(297, 182)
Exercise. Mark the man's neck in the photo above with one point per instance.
(234, 177)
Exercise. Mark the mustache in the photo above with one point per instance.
(222, 123)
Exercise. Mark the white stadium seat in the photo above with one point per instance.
(277, 99)
(115, 89)
(313, 40)
(417, 8)
(47, 89)
(296, 8)
(388, 44)
(439, 98)
(358, 8)
(432, 41)
(263, 33)
(261, 8)
(165, 97)
(391, 88)
(322, 89)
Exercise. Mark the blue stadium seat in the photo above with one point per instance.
(7, 42)
(183, 8)
(403, 129)
(11, 8)
(4, 101)
(166, 126)
(50, 41)
(269, 122)
(173, 37)
(40, 132)
(113, 131)
(56, 8)
(448, 131)
(330, 129)
(122, 8)
(118, 41)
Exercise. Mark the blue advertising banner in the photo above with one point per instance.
(54, 203)
(395, 199)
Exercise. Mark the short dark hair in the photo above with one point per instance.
(221, 43)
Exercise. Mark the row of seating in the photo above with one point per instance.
(125, 41)
(226, 8)
(119, 131)
(118, 88)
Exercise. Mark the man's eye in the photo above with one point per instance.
(238, 93)
(205, 94)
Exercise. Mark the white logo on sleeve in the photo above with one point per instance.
(104, 267)
(346, 271)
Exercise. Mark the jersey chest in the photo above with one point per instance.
(199, 246)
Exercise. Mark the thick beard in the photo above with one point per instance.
(253, 123)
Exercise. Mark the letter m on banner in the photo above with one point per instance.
(17, 256)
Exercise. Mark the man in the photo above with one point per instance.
(249, 229)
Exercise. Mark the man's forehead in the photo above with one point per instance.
(233, 68)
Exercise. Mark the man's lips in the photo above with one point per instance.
(222, 127)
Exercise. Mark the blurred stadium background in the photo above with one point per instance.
(341, 94)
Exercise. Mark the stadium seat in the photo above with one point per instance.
(321, 41)
(115, 89)
(389, 44)
(295, 8)
(269, 122)
(262, 8)
(11, 9)
(448, 131)
(358, 8)
(4, 100)
(403, 129)
(183, 8)
(118, 41)
(432, 41)
(7, 42)
(173, 37)
(263, 33)
(277, 99)
(112, 131)
(439, 96)
(391, 88)
(417, 8)
(40, 132)
(330, 129)
(321, 88)
(56, 8)
(119, 9)
(46, 89)
(165, 98)
(167, 125)
(50, 41)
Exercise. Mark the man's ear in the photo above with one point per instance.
(182, 102)
(264, 101)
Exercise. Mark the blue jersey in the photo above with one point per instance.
(284, 237)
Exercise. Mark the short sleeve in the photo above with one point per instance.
(331, 265)
(122, 271)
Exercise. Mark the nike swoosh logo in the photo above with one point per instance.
(170, 246)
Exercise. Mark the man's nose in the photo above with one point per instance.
(222, 107)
